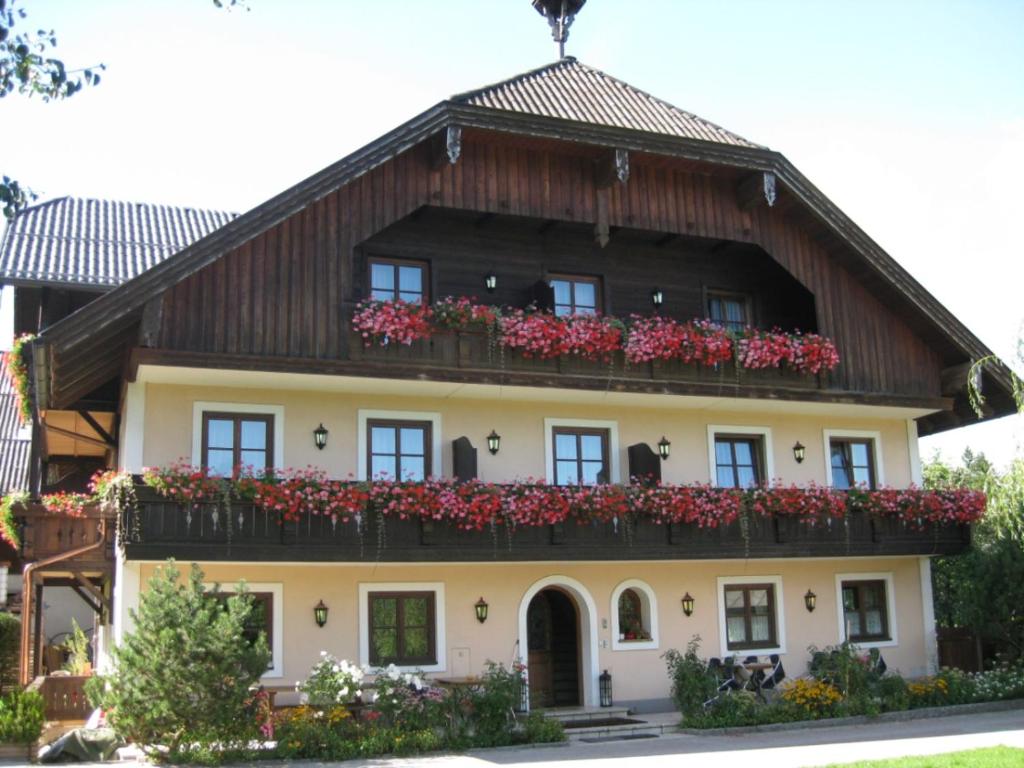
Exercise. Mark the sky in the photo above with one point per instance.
(908, 115)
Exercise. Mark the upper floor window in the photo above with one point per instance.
(576, 294)
(580, 455)
(401, 279)
(730, 310)
(853, 462)
(739, 461)
(233, 440)
(399, 450)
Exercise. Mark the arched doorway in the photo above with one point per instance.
(553, 647)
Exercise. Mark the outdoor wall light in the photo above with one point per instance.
(493, 442)
(688, 604)
(664, 446)
(491, 282)
(799, 452)
(810, 600)
(657, 297)
(605, 685)
(320, 613)
(481, 610)
(320, 436)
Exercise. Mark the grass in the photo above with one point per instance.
(992, 757)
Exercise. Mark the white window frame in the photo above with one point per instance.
(201, 406)
(780, 615)
(854, 434)
(433, 417)
(890, 607)
(440, 640)
(765, 433)
(649, 609)
(276, 589)
(613, 444)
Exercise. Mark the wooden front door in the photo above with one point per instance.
(553, 650)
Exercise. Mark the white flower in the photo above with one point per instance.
(323, 653)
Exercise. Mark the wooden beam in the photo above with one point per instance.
(611, 167)
(75, 435)
(447, 147)
(756, 189)
(104, 435)
(954, 379)
(92, 589)
(602, 232)
(87, 599)
(152, 318)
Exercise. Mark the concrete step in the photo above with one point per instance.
(583, 714)
(636, 730)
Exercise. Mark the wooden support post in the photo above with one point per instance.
(602, 233)
(756, 189)
(611, 167)
(447, 147)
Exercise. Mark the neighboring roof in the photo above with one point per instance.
(99, 243)
(569, 90)
(15, 442)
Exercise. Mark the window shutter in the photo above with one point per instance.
(644, 464)
(463, 459)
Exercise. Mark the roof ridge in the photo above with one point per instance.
(467, 95)
(113, 201)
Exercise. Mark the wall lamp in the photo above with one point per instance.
(664, 446)
(657, 298)
(688, 604)
(493, 442)
(320, 436)
(491, 282)
(810, 601)
(799, 452)
(320, 613)
(481, 610)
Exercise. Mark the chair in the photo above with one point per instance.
(777, 674)
(753, 682)
(877, 663)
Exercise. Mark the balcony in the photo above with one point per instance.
(157, 528)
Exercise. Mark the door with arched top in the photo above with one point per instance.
(553, 641)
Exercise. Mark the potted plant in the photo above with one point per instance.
(21, 722)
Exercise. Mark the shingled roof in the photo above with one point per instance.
(99, 243)
(569, 90)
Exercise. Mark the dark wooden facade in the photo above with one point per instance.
(283, 293)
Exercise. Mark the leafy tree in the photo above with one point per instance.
(981, 588)
(28, 68)
(182, 678)
(10, 651)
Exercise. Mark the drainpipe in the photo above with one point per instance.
(29, 571)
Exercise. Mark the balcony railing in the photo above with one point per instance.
(157, 527)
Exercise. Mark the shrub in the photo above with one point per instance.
(1005, 681)
(332, 681)
(77, 646)
(181, 679)
(537, 729)
(492, 705)
(692, 682)
(852, 672)
(405, 701)
(21, 717)
(10, 650)
(893, 694)
(308, 732)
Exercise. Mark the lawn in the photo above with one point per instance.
(992, 757)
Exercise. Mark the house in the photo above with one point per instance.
(566, 188)
(55, 258)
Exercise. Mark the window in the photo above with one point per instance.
(864, 610)
(576, 295)
(402, 628)
(730, 310)
(750, 616)
(231, 440)
(867, 614)
(580, 455)
(853, 458)
(634, 617)
(738, 462)
(398, 279)
(402, 623)
(399, 450)
(267, 617)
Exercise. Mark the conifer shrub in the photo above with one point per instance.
(10, 651)
(181, 678)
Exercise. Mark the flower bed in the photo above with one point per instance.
(540, 334)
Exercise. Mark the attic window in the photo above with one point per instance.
(398, 279)
(729, 310)
(576, 294)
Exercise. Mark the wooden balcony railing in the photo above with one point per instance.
(472, 351)
(63, 696)
(157, 528)
(45, 533)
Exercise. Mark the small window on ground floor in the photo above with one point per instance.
(634, 617)
(265, 619)
(865, 610)
(402, 628)
(750, 618)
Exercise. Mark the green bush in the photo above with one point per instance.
(692, 682)
(492, 705)
(21, 717)
(10, 651)
(181, 678)
(537, 729)
(893, 694)
(845, 667)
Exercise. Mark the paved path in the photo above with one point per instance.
(789, 749)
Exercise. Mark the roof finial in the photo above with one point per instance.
(560, 15)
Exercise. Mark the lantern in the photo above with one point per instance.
(493, 442)
(605, 684)
(320, 613)
(810, 601)
(799, 452)
(491, 282)
(657, 298)
(481, 610)
(688, 604)
(664, 446)
(320, 436)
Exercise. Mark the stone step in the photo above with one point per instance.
(581, 714)
(637, 730)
